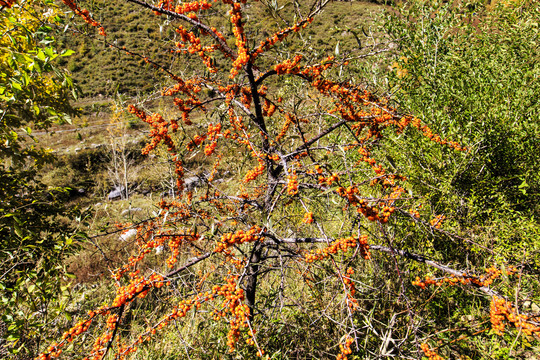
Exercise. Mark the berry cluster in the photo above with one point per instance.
(238, 31)
(292, 184)
(160, 131)
(195, 47)
(269, 108)
(329, 180)
(434, 137)
(372, 213)
(84, 13)
(289, 119)
(431, 355)
(183, 8)
(212, 135)
(308, 217)
(255, 173)
(343, 245)
(491, 274)
(437, 221)
(239, 237)
(347, 279)
(289, 66)
(232, 305)
(345, 349)
(279, 36)
(501, 310)
(7, 3)
(174, 245)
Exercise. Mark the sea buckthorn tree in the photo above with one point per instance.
(290, 244)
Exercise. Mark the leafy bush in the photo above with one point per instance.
(473, 76)
(37, 232)
(471, 72)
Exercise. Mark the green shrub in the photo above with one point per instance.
(471, 73)
(473, 77)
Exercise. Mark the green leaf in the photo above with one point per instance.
(16, 85)
(41, 55)
(50, 52)
(67, 53)
(18, 230)
(13, 337)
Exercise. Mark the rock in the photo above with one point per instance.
(193, 182)
(116, 193)
(130, 211)
(128, 235)
(531, 307)
(74, 193)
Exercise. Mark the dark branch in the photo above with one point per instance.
(226, 49)
(402, 253)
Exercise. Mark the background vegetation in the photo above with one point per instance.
(470, 71)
